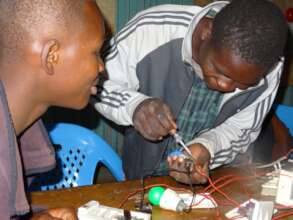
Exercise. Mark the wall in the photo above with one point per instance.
(286, 89)
(126, 9)
(202, 2)
(284, 4)
(108, 9)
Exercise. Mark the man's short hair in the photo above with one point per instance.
(22, 19)
(255, 30)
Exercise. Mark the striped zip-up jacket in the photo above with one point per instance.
(151, 57)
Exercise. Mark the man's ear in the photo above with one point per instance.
(50, 56)
(207, 28)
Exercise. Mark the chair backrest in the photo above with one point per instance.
(79, 150)
(285, 114)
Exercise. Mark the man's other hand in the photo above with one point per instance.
(153, 119)
(56, 214)
(199, 170)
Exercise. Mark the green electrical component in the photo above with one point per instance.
(155, 195)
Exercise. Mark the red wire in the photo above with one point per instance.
(236, 178)
(232, 178)
(282, 215)
(218, 187)
(280, 207)
(220, 191)
(218, 214)
(205, 197)
(212, 185)
(218, 180)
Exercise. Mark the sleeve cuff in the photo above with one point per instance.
(131, 106)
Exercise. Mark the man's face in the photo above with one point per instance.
(79, 63)
(223, 71)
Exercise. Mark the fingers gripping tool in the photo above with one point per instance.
(183, 152)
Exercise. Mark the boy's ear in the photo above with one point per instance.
(207, 28)
(50, 56)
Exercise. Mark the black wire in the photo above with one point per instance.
(192, 188)
(141, 206)
(151, 172)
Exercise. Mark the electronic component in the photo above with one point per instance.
(166, 199)
(269, 187)
(201, 200)
(285, 188)
(169, 199)
(253, 210)
(94, 211)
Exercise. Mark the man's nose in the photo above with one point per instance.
(226, 85)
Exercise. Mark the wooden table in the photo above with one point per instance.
(112, 194)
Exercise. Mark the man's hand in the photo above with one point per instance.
(199, 170)
(56, 214)
(153, 119)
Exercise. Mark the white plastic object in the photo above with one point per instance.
(285, 188)
(253, 210)
(171, 200)
(269, 188)
(206, 201)
(94, 211)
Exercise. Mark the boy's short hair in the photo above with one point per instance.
(19, 19)
(256, 30)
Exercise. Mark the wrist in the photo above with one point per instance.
(206, 143)
(140, 105)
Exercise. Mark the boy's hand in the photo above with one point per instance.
(56, 214)
(153, 119)
(178, 168)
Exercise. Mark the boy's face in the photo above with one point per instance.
(223, 71)
(79, 62)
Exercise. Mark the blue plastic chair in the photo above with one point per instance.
(79, 150)
(285, 114)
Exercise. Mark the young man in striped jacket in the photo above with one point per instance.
(214, 70)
